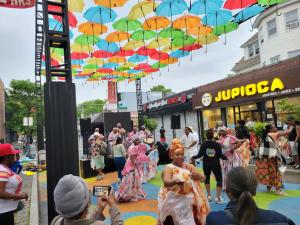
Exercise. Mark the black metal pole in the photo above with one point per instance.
(139, 99)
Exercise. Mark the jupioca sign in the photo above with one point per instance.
(17, 3)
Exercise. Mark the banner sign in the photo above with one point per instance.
(18, 4)
(112, 92)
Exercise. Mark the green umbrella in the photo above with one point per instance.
(142, 35)
(121, 78)
(158, 65)
(58, 51)
(123, 68)
(170, 32)
(270, 2)
(91, 67)
(125, 24)
(226, 28)
(87, 39)
(183, 41)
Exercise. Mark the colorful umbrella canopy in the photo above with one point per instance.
(87, 39)
(89, 28)
(133, 44)
(207, 39)
(91, 67)
(146, 51)
(156, 23)
(142, 35)
(117, 59)
(96, 61)
(72, 18)
(205, 6)
(247, 13)
(100, 14)
(186, 21)
(190, 48)
(179, 54)
(159, 42)
(110, 65)
(270, 2)
(159, 65)
(107, 46)
(183, 41)
(105, 70)
(125, 24)
(81, 48)
(199, 30)
(219, 17)
(158, 55)
(170, 60)
(142, 9)
(102, 54)
(171, 8)
(142, 66)
(137, 58)
(117, 36)
(79, 55)
(125, 53)
(75, 5)
(110, 3)
(226, 28)
(170, 32)
(238, 4)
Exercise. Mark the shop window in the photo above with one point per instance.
(211, 118)
(293, 54)
(275, 59)
(253, 49)
(272, 28)
(230, 117)
(291, 19)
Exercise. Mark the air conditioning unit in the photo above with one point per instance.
(292, 25)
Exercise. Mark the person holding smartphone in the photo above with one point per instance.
(72, 200)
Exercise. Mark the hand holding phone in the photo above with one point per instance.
(101, 191)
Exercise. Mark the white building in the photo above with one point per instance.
(277, 39)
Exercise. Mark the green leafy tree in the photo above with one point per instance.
(21, 103)
(150, 124)
(161, 88)
(288, 108)
(88, 108)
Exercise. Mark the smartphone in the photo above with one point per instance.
(101, 191)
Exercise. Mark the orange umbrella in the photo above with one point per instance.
(156, 23)
(199, 30)
(169, 61)
(187, 21)
(117, 59)
(117, 36)
(110, 3)
(89, 28)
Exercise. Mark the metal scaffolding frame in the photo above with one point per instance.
(139, 99)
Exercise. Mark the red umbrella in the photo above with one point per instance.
(81, 74)
(192, 47)
(151, 70)
(124, 53)
(238, 4)
(105, 70)
(159, 55)
(79, 55)
(143, 66)
(102, 54)
(72, 18)
(146, 51)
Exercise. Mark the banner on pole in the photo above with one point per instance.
(112, 92)
(18, 4)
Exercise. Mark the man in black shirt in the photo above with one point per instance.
(211, 151)
(242, 131)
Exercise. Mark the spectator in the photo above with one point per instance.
(71, 198)
(17, 167)
(242, 131)
(119, 154)
(242, 209)
(190, 143)
(10, 185)
(162, 132)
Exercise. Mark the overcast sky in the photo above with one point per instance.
(17, 29)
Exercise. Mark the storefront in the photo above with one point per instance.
(165, 109)
(253, 96)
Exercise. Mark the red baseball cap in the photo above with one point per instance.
(8, 149)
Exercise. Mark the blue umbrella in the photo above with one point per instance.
(248, 13)
(100, 14)
(205, 6)
(77, 62)
(217, 18)
(137, 58)
(71, 34)
(134, 71)
(55, 25)
(171, 8)
(179, 54)
(108, 46)
(110, 65)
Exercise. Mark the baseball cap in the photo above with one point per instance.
(8, 149)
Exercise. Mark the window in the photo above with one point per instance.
(294, 53)
(253, 49)
(291, 19)
(272, 29)
(275, 59)
(261, 34)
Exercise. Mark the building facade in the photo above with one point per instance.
(2, 111)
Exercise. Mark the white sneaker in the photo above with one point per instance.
(209, 198)
(219, 200)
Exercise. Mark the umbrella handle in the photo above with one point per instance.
(252, 28)
(225, 40)
(278, 14)
(190, 7)
(154, 8)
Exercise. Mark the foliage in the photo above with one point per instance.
(88, 108)
(284, 106)
(150, 124)
(258, 128)
(20, 103)
(162, 89)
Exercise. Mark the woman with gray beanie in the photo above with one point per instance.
(72, 198)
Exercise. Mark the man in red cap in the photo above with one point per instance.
(10, 185)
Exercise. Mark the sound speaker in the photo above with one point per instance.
(175, 122)
(85, 126)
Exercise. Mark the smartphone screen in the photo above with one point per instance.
(101, 191)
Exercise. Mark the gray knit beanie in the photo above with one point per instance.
(71, 196)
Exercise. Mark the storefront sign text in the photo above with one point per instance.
(17, 3)
(169, 101)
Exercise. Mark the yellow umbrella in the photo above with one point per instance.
(186, 21)
(170, 49)
(169, 61)
(156, 23)
(95, 61)
(76, 66)
(129, 64)
(74, 5)
(206, 39)
(158, 43)
(133, 45)
(110, 3)
(117, 59)
(141, 9)
(89, 28)
(81, 48)
(117, 36)
(199, 30)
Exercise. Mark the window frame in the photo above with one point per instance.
(290, 22)
(268, 27)
(273, 58)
